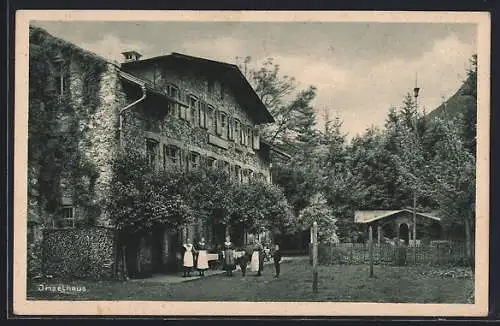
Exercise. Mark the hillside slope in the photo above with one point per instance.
(458, 103)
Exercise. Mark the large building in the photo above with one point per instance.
(177, 109)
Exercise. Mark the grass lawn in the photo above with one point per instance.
(348, 283)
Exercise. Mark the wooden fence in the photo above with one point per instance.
(358, 253)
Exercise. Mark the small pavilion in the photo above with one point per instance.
(398, 224)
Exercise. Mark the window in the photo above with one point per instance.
(193, 107)
(256, 139)
(223, 124)
(225, 166)
(211, 162)
(243, 135)
(68, 216)
(152, 147)
(202, 116)
(173, 92)
(66, 219)
(245, 175)
(194, 160)
(171, 155)
(210, 121)
(61, 81)
(249, 137)
(230, 134)
(210, 86)
(237, 173)
(237, 125)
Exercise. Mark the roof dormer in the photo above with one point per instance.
(131, 56)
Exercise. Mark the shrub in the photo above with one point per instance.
(328, 255)
(34, 260)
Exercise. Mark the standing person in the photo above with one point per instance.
(229, 261)
(245, 259)
(277, 259)
(188, 261)
(257, 261)
(202, 260)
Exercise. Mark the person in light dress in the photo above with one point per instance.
(257, 261)
(202, 260)
(188, 259)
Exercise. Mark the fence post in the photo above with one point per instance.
(311, 246)
(370, 248)
(315, 256)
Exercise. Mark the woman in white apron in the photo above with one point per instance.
(188, 258)
(202, 261)
(256, 261)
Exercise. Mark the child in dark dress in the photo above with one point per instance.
(277, 259)
(244, 260)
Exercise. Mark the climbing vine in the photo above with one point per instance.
(58, 122)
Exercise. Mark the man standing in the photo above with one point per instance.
(277, 259)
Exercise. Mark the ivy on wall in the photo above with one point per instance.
(58, 122)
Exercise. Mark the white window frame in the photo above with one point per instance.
(156, 151)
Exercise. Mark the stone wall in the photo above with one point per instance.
(86, 253)
(102, 136)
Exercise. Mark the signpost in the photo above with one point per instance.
(315, 256)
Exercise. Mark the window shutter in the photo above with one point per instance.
(200, 113)
(256, 139)
(218, 123)
(187, 111)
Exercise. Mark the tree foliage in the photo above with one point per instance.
(320, 212)
(142, 197)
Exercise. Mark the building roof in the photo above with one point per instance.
(230, 74)
(369, 216)
(150, 89)
(275, 149)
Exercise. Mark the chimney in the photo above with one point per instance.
(131, 56)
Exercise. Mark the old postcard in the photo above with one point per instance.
(279, 163)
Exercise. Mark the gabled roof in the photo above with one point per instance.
(369, 216)
(230, 73)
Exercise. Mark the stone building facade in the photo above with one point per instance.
(74, 98)
(200, 112)
(176, 109)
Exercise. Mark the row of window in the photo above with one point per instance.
(191, 160)
(204, 115)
